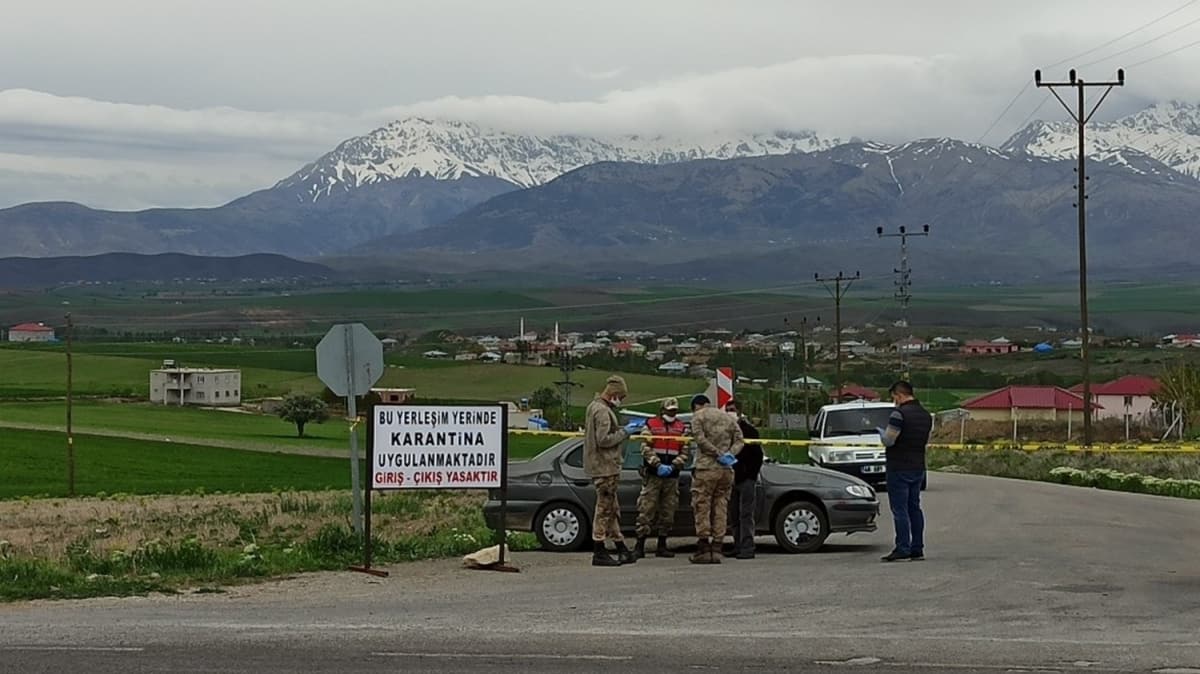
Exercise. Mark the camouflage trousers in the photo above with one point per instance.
(710, 502)
(657, 505)
(606, 525)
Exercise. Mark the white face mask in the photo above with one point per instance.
(669, 418)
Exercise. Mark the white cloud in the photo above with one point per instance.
(914, 70)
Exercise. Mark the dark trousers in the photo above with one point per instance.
(904, 496)
(741, 514)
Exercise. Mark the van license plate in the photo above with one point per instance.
(874, 469)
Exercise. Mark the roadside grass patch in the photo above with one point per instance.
(1164, 474)
(60, 548)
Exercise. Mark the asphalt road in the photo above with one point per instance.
(1020, 577)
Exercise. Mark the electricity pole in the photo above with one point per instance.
(837, 291)
(566, 365)
(903, 285)
(70, 400)
(1081, 117)
(804, 367)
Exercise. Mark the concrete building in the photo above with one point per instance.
(172, 385)
(31, 332)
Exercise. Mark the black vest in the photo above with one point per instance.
(909, 451)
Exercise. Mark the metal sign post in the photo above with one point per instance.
(349, 362)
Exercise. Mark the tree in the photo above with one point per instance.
(1180, 389)
(550, 402)
(301, 409)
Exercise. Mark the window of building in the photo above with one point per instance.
(1129, 401)
(216, 394)
(199, 395)
(227, 395)
(235, 392)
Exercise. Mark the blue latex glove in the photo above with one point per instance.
(664, 470)
(634, 427)
(727, 459)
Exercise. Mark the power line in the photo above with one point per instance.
(1164, 54)
(1123, 35)
(1141, 44)
(1025, 86)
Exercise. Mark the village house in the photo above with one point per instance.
(1046, 403)
(1000, 345)
(1181, 341)
(941, 343)
(851, 392)
(435, 355)
(910, 345)
(656, 355)
(31, 332)
(1130, 397)
(673, 367)
(171, 385)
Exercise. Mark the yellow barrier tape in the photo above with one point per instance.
(1164, 448)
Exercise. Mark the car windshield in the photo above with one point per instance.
(856, 422)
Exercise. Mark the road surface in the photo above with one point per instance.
(1020, 576)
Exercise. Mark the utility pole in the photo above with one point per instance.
(783, 374)
(566, 365)
(837, 291)
(903, 285)
(70, 401)
(1081, 117)
(804, 368)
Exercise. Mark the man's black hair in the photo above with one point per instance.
(903, 388)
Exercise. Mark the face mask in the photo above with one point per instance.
(669, 418)
(734, 415)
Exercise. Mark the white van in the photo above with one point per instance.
(845, 439)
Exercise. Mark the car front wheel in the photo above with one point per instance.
(561, 527)
(801, 526)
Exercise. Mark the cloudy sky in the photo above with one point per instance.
(137, 103)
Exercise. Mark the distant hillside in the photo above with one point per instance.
(23, 272)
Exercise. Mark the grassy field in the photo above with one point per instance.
(36, 464)
(39, 372)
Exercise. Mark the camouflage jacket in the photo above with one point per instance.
(715, 433)
(603, 440)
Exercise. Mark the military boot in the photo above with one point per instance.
(600, 556)
(714, 552)
(639, 551)
(701, 556)
(624, 555)
(662, 550)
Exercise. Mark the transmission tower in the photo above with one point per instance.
(1081, 117)
(566, 366)
(903, 285)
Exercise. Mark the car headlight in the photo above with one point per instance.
(860, 491)
(840, 457)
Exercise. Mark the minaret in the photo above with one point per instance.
(521, 336)
(555, 333)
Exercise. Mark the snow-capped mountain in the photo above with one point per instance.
(1168, 132)
(447, 150)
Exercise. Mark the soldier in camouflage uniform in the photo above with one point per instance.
(662, 460)
(718, 441)
(603, 442)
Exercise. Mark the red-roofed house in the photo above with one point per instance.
(31, 332)
(1027, 402)
(854, 392)
(1131, 396)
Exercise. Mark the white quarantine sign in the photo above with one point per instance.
(442, 447)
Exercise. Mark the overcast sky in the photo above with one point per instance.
(138, 103)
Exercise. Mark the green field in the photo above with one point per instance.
(35, 463)
(26, 372)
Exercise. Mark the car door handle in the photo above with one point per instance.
(581, 483)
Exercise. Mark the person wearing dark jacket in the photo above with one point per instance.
(905, 438)
(742, 505)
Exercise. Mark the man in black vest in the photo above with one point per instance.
(905, 438)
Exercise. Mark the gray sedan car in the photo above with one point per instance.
(800, 506)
